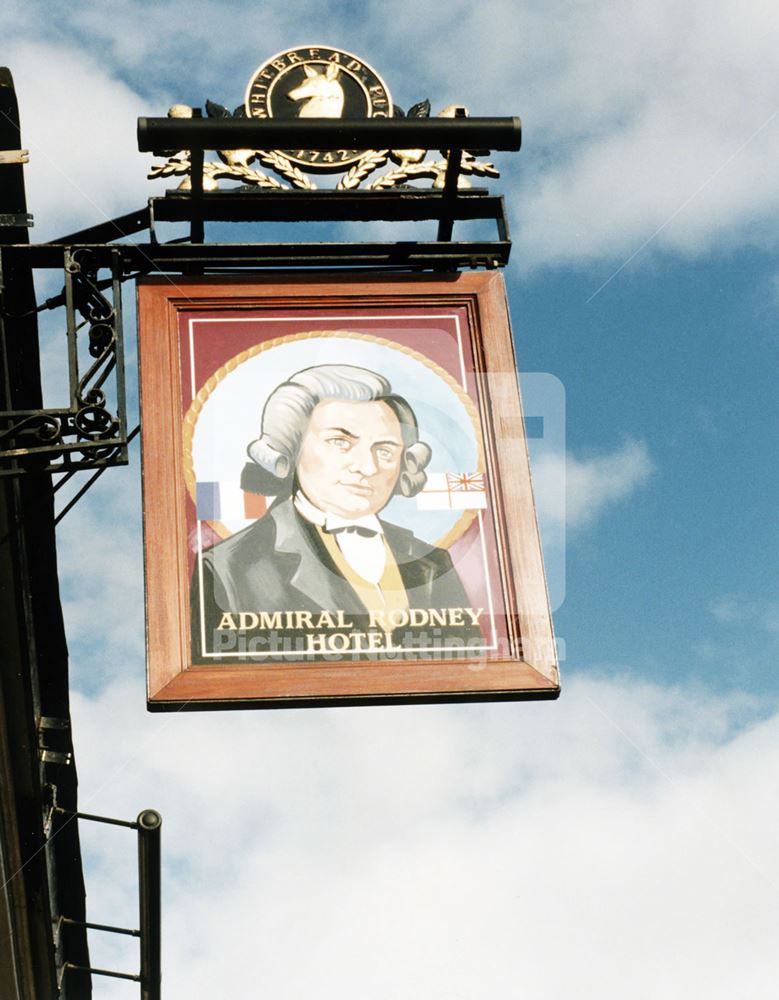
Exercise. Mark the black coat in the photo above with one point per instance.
(280, 564)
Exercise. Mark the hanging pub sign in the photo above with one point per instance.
(337, 497)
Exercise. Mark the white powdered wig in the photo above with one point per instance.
(289, 408)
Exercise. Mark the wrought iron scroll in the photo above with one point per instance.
(91, 432)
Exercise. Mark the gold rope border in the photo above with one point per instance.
(196, 408)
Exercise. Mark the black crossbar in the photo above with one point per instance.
(327, 206)
(157, 135)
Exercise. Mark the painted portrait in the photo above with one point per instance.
(334, 541)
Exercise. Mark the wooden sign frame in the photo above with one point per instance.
(213, 350)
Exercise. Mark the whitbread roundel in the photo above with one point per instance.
(315, 81)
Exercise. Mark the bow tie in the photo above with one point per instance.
(358, 529)
(365, 527)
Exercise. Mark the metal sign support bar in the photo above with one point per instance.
(125, 225)
(408, 205)
(150, 257)
(149, 883)
(158, 135)
(149, 827)
(101, 927)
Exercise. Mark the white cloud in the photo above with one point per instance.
(652, 119)
(101, 577)
(740, 609)
(78, 123)
(450, 852)
(573, 492)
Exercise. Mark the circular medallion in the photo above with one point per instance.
(315, 81)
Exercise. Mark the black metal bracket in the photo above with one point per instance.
(404, 205)
(90, 432)
(149, 827)
(130, 258)
(448, 205)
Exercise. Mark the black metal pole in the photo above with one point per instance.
(149, 868)
(451, 181)
(158, 134)
(197, 228)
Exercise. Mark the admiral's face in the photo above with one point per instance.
(350, 457)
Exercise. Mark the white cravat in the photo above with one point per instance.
(361, 539)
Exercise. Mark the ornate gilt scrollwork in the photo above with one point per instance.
(316, 81)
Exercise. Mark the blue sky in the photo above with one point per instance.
(621, 841)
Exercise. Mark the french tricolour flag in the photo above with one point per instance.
(226, 501)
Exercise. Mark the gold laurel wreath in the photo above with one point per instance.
(246, 173)
(283, 165)
(434, 169)
(367, 163)
(213, 170)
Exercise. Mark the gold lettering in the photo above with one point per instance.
(354, 66)
(376, 619)
(387, 621)
(398, 618)
(328, 158)
(279, 63)
(376, 640)
(316, 644)
(293, 58)
(270, 620)
(247, 619)
(303, 619)
(313, 53)
(358, 638)
(227, 621)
